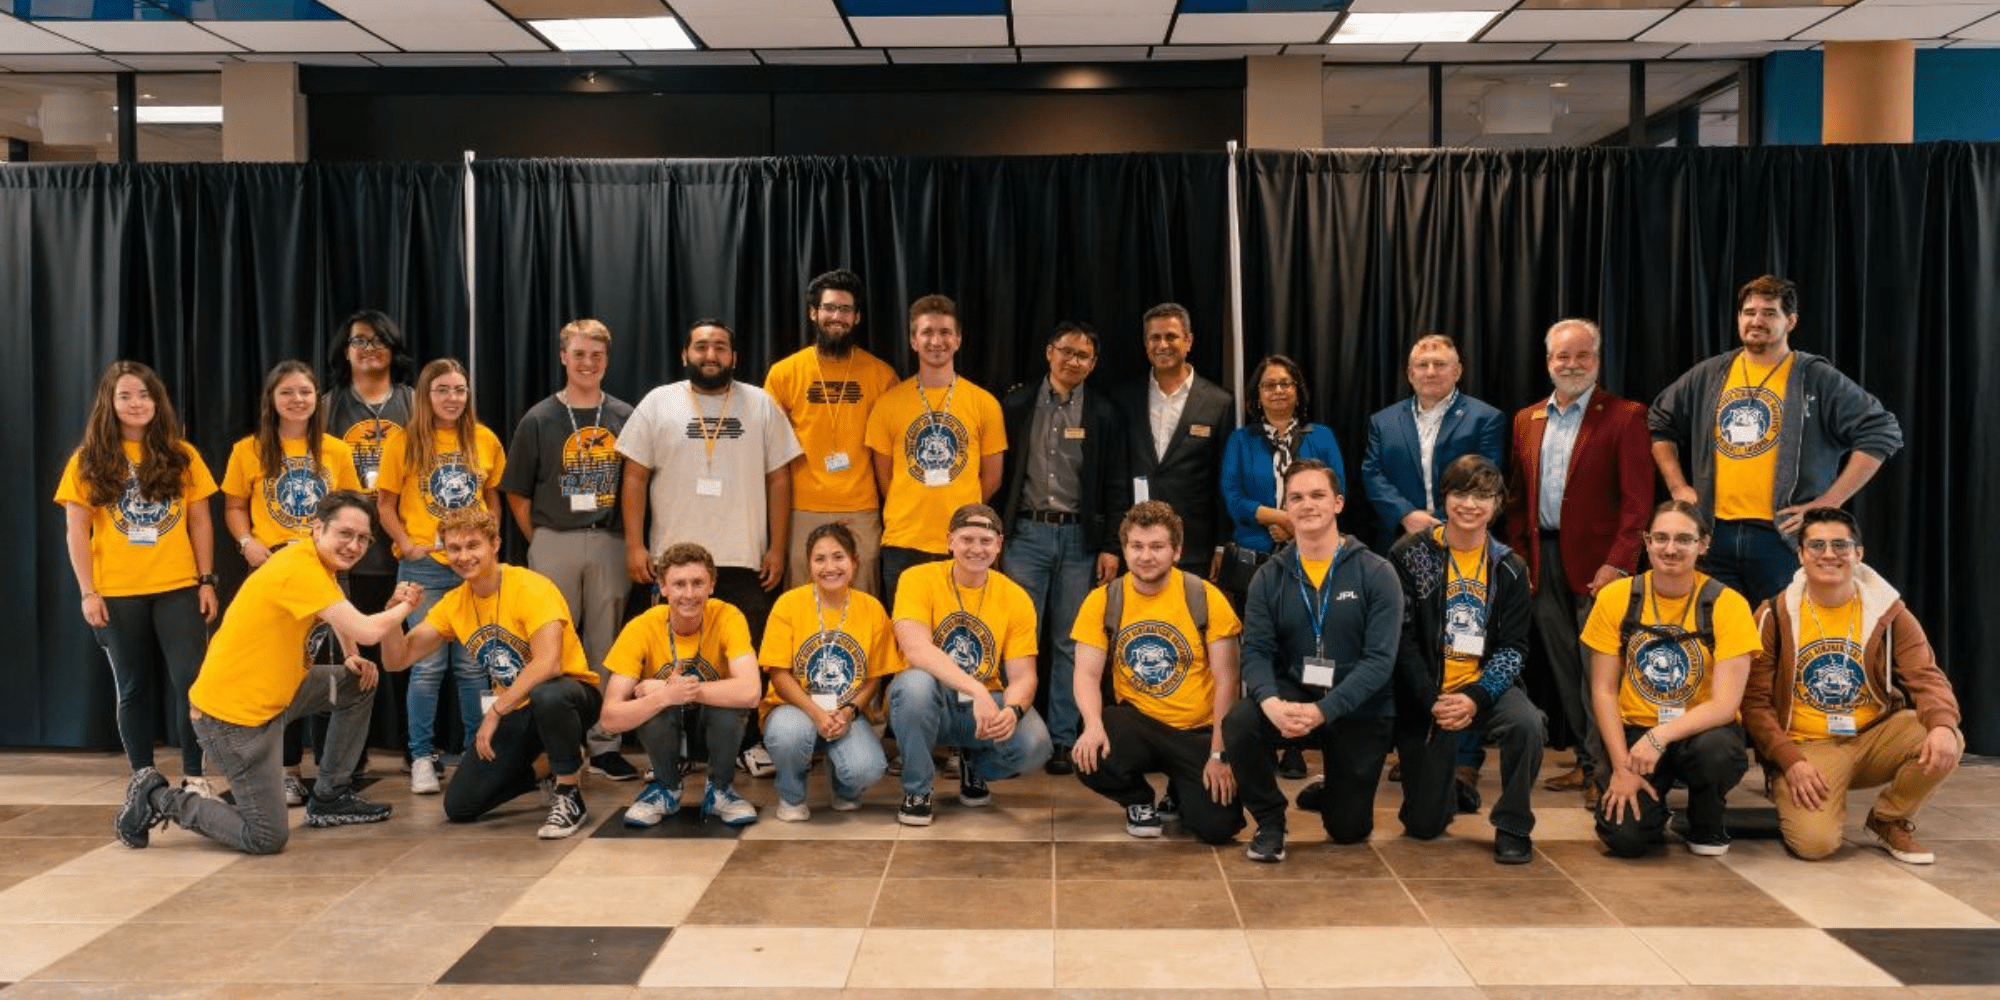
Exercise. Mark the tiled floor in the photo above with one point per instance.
(1040, 896)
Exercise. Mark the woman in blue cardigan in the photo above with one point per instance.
(1275, 433)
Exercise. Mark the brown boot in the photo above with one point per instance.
(1898, 837)
(1568, 781)
(1593, 796)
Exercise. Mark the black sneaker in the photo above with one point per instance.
(1267, 846)
(1512, 848)
(566, 813)
(1313, 796)
(1169, 809)
(915, 810)
(1059, 762)
(1291, 763)
(972, 790)
(138, 816)
(344, 809)
(613, 765)
(1142, 821)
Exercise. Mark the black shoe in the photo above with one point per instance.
(1291, 763)
(1466, 781)
(915, 810)
(1268, 846)
(1059, 762)
(567, 813)
(1313, 796)
(344, 809)
(613, 765)
(972, 790)
(138, 816)
(1169, 809)
(1512, 848)
(1142, 821)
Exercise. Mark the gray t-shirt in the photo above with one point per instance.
(565, 460)
(364, 427)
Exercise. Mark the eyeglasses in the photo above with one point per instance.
(1474, 495)
(837, 309)
(1839, 546)
(450, 390)
(1581, 357)
(366, 343)
(1285, 385)
(1664, 539)
(1072, 354)
(362, 538)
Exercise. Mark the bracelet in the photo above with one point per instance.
(1655, 741)
(88, 594)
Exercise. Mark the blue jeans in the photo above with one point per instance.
(1751, 558)
(855, 760)
(427, 674)
(1049, 560)
(926, 714)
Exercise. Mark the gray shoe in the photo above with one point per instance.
(138, 816)
(344, 809)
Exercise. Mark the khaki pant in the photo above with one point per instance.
(867, 528)
(1885, 753)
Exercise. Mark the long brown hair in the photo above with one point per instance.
(100, 457)
(270, 449)
(420, 438)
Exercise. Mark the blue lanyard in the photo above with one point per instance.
(1325, 594)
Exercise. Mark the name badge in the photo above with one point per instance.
(143, 534)
(1469, 644)
(836, 462)
(1669, 713)
(964, 699)
(486, 703)
(1740, 435)
(1840, 724)
(826, 702)
(582, 503)
(937, 477)
(368, 479)
(1318, 672)
(708, 487)
(1200, 430)
(1140, 491)
(1073, 433)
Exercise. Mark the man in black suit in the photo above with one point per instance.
(1063, 489)
(1177, 423)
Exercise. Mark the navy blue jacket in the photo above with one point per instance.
(1391, 468)
(1364, 621)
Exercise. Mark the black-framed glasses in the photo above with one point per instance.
(837, 309)
(1072, 354)
(366, 343)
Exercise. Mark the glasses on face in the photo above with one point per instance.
(1072, 354)
(1579, 358)
(837, 309)
(1484, 496)
(366, 343)
(1664, 539)
(1838, 546)
(450, 390)
(1277, 385)
(362, 538)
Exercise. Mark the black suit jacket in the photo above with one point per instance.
(1106, 490)
(1190, 476)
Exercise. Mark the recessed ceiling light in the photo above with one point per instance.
(182, 114)
(614, 34)
(1430, 26)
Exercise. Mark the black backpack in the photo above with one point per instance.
(1195, 591)
(1704, 614)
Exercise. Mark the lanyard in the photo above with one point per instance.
(1478, 572)
(375, 411)
(596, 419)
(930, 415)
(819, 618)
(673, 648)
(1853, 623)
(1743, 360)
(1653, 596)
(952, 578)
(708, 439)
(499, 588)
(829, 393)
(1325, 594)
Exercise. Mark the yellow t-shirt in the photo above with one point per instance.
(1161, 664)
(1315, 570)
(830, 653)
(1748, 416)
(261, 653)
(980, 629)
(1830, 681)
(445, 483)
(941, 443)
(828, 402)
(1659, 671)
(1464, 612)
(495, 629)
(282, 506)
(648, 646)
(140, 545)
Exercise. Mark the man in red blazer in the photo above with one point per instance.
(1582, 489)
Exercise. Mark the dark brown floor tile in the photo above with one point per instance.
(254, 899)
(886, 993)
(1930, 956)
(325, 856)
(786, 902)
(1135, 860)
(559, 956)
(735, 993)
(62, 821)
(957, 859)
(1455, 858)
(1379, 902)
(1378, 993)
(1671, 902)
(816, 859)
(35, 855)
(970, 903)
(1320, 860)
(1131, 904)
(1505, 902)
(1584, 860)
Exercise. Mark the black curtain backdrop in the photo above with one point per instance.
(213, 273)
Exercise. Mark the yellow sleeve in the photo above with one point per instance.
(732, 635)
(881, 420)
(885, 656)
(492, 458)
(1088, 628)
(447, 611)
(1735, 630)
(389, 475)
(339, 461)
(1222, 620)
(200, 484)
(239, 477)
(69, 489)
(632, 653)
(778, 645)
(545, 601)
(992, 425)
(1020, 638)
(1600, 632)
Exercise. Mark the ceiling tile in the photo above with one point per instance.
(141, 36)
(1572, 25)
(1871, 23)
(457, 36)
(824, 57)
(1477, 52)
(1740, 24)
(1192, 53)
(308, 58)
(1225, 29)
(765, 8)
(16, 36)
(58, 64)
(418, 10)
(1354, 53)
(1091, 30)
(1094, 8)
(1595, 4)
(207, 63)
(1984, 31)
(537, 9)
(684, 57)
(991, 54)
(1735, 50)
(1083, 54)
(768, 32)
(930, 31)
(298, 36)
(1594, 51)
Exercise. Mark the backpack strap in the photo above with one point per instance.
(1197, 603)
(1114, 613)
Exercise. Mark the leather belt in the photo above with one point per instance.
(1047, 516)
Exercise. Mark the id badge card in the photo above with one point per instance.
(826, 702)
(964, 699)
(1469, 644)
(582, 503)
(1073, 433)
(143, 534)
(1840, 724)
(837, 462)
(708, 487)
(1318, 672)
(1669, 713)
(486, 702)
(1140, 491)
(368, 479)
(936, 477)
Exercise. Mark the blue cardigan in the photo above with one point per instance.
(1248, 483)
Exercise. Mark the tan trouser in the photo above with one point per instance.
(867, 528)
(1886, 753)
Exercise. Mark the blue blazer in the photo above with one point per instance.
(1389, 469)
(1248, 483)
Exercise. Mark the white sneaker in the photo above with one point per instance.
(653, 804)
(756, 762)
(424, 776)
(794, 812)
(199, 786)
(841, 805)
(724, 804)
(295, 790)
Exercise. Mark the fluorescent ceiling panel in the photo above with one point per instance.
(297, 36)
(1572, 25)
(1083, 54)
(140, 36)
(824, 57)
(995, 54)
(1436, 26)
(1741, 24)
(1424, 6)
(1594, 51)
(1872, 23)
(1478, 52)
(768, 32)
(26, 38)
(456, 36)
(614, 34)
(1250, 29)
(1091, 30)
(891, 32)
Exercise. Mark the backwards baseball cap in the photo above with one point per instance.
(976, 515)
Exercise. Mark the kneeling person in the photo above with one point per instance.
(1172, 638)
(512, 622)
(256, 679)
(691, 652)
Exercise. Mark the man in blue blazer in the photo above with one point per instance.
(1177, 424)
(1411, 441)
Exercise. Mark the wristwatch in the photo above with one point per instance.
(205, 580)
(1019, 712)
(1219, 757)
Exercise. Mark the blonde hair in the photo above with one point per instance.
(587, 328)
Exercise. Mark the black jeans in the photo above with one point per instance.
(1142, 745)
(169, 625)
(1429, 797)
(1353, 749)
(553, 721)
(895, 560)
(1711, 762)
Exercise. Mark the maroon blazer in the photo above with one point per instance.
(1608, 498)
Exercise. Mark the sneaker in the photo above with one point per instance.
(613, 765)
(199, 786)
(1898, 837)
(345, 809)
(295, 790)
(896, 764)
(1313, 796)
(1708, 845)
(972, 790)
(841, 805)
(566, 814)
(138, 816)
(1291, 763)
(1142, 821)
(756, 762)
(424, 776)
(1059, 762)
(724, 804)
(948, 766)
(1169, 809)
(794, 812)
(1512, 848)
(655, 803)
(1268, 846)
(915, 810)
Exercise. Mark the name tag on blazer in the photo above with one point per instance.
(1199, 430)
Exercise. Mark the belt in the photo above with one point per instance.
(1047, 516)
(1555, 533)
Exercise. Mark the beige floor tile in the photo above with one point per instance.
(1127, 903)
(416, 900)
(330, 991)
(25, 948)
(697, 858)
(1003, 820)
(281, 899)
(1502, 956)
(1351, 957)
(61, 821)
(1982, 894)
(85, 898)
(607, 901)
(1961, 820)
(360, 953)
(109, 991)
(1137, 861)
(1668, 902)
(1589, 860)
(514, 856)
(146, 953)
(37, 855)
(1761, 957)
(331, 854)
(936, 960)
(1564, 821)
(37, 789)
(754, 957)
(1960, 859)
(1833, 895)
(870, 822)
(1766, 861)
(1130, 959)
(198, 858)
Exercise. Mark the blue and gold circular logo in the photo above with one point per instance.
(450, 485)
(1154, 657)
(1829, 676)
(1667, 666)
(936, 444)
(1746, 421)
(292, 496)
(1464, 611)
(135, 511)
(499, 652)
(968, 642)
(830, 663)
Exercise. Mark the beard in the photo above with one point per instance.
(832, 346)
(710, 383)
